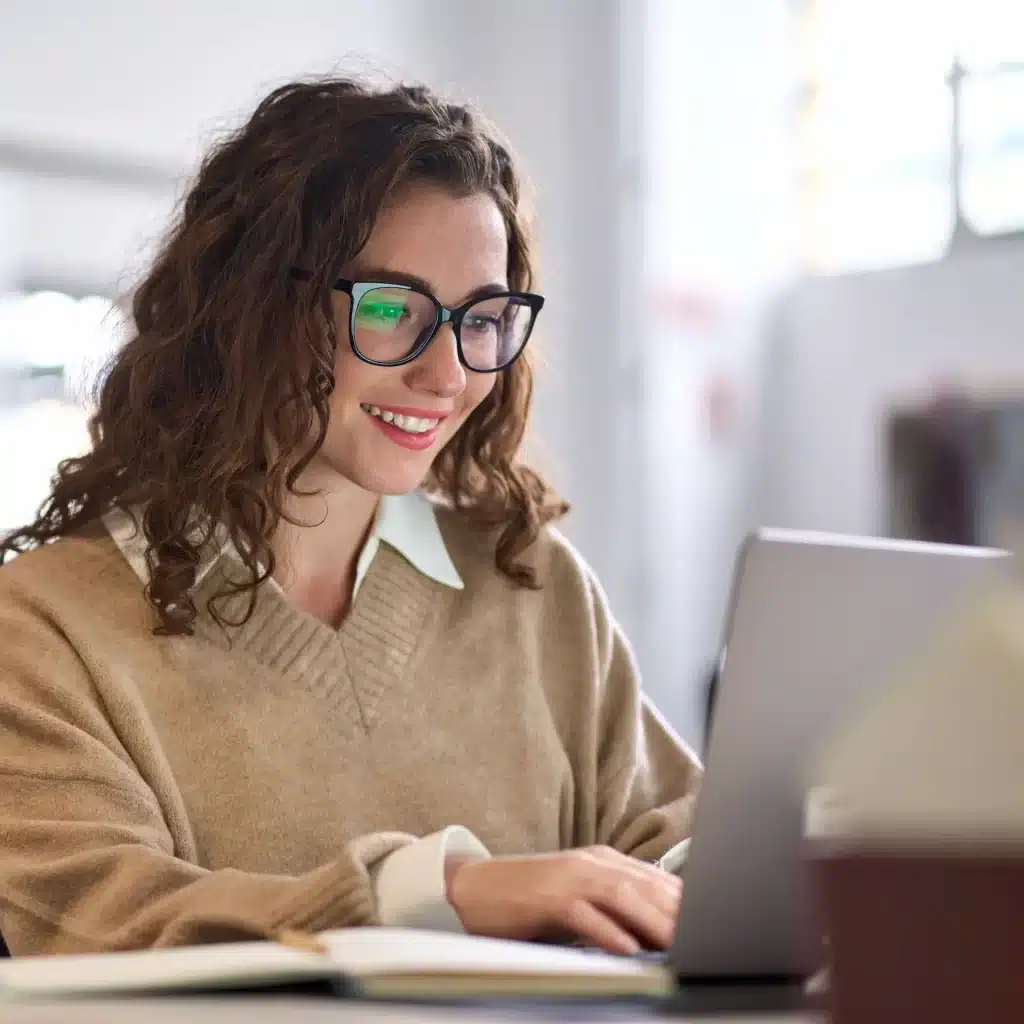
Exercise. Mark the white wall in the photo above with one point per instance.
(717, 209)
(149, 81)
(853, 344)
(149, 84)
(79, 236)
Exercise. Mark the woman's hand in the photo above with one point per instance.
(596, 894)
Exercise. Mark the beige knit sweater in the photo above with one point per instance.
(171, 790)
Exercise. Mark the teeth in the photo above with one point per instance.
(410, 424)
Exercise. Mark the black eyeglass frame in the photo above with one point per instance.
(442, 315)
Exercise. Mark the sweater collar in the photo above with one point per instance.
(405, 522)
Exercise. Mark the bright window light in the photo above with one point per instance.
(52, 347)
(876, 127)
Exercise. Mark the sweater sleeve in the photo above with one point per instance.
(647, 777)
(87, 862)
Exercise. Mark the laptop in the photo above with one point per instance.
(815, 622)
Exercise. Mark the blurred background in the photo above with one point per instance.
(782, 244)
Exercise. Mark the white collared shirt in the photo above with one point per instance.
(409, 884)
(406, 522)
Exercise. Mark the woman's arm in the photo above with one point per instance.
(87, 861)
(647, 777)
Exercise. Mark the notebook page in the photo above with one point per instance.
(190, 967)
(366, 952)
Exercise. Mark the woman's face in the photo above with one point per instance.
(456, 247)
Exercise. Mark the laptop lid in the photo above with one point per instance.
(815, 622)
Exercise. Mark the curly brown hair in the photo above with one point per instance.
(203, 418)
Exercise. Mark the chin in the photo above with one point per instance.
(391, 480)
(394, 488)
(378, 466)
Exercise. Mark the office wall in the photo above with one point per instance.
(851, 345)
(717, 246)
(141, 88)
(148, 81)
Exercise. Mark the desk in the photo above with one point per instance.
(238, 1010)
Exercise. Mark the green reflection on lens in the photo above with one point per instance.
(380, 313)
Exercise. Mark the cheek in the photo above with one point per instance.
(346, 363)
(478, 387)
(352, 380)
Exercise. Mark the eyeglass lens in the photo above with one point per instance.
(390, 323)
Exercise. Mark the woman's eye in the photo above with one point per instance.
(481, 323)
(381, 314)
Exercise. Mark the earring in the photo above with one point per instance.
(324, 382)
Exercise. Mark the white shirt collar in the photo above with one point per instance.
(406, 522)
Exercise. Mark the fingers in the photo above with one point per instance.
(604, 897)
(653, 925)
(663, 890)
(591, 924)
(637, 896)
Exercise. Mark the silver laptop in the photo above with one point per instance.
(816, 621)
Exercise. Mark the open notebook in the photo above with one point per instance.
(384, 963)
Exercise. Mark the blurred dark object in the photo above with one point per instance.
(923, 935)
(710, 693)
(956, 469)
(937, 450)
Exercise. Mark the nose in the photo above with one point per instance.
(438, 370)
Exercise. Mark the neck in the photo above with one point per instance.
(316, 560)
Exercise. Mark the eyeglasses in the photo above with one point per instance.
(392, 324)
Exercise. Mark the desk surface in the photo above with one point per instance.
(235, 1010)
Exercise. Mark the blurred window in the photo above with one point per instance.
(52, 347)
(910, 128)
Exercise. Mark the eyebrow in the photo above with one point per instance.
(382, 275)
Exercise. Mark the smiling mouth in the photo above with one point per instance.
(410, 424)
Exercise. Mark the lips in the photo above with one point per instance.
(415, 433)
(409, 423)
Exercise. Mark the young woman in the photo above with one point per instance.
(295, 645)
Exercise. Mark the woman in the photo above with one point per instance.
(305, 651)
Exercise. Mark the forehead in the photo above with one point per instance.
(457, 243)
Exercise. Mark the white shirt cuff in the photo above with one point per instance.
(674, 859)
(410, 883)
